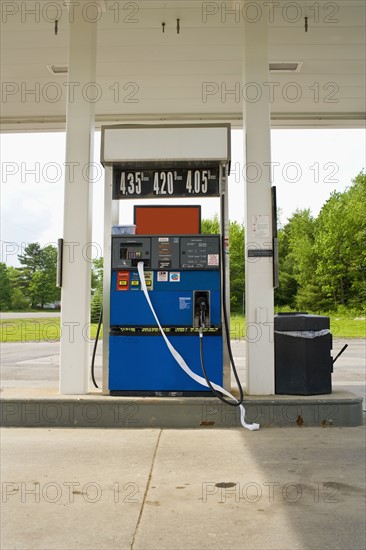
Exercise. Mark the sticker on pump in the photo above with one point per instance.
(174, 277)
(185, 302)
(162, 277)
(212, 259)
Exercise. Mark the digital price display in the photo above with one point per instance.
(183, 182)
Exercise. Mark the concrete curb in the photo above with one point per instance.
(32, 409)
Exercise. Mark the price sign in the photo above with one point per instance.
(183, 182)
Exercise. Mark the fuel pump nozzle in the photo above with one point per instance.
(201, 309)
(202, 305)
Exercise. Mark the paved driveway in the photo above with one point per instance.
(32, 364)
(4, 315)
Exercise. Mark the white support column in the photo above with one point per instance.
(257, 155)
(224, 169)
(111, 217)
(75, 317)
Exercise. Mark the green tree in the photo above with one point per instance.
(31, 262)
(97, 274)
(31, 258)
(298, 284)
(37, 277)
(331, 270)
(51, 292)
(286, 291)
(355, 251)
(340, 246)
(236, 257)
(96, 305)
(18, 299)
(300, 245)
(323, 260)
(97, 290)
(5, 288)
(211, 226)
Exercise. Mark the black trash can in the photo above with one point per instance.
(303, 361)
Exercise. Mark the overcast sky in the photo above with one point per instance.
(307, 165)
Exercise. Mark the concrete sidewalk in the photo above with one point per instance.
(278, 488)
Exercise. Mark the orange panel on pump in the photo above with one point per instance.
(168, 220)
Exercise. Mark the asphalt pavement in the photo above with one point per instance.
(4, 315)
(32, 364)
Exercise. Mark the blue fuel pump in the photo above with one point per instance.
(183, 278)
(168, 315)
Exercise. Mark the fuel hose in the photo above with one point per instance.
(181, 362)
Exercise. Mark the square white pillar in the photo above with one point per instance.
(76, 275)
(258, 217)
(111, 217)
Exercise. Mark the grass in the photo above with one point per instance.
(48, 329)
(341, 326)
(347, 328)
(41, 330)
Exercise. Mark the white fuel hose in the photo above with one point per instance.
(179, 359)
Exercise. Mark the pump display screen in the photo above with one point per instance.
(167, 252)
(182, 182)
(128, 253)
(199, 252)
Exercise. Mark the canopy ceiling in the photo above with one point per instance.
(145, 74)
